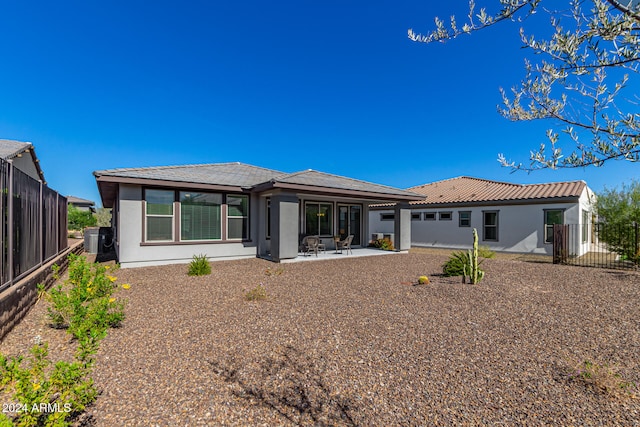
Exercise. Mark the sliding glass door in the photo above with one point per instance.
(350, 222)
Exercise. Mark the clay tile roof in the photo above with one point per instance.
(469, 190)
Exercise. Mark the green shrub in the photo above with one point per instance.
(258, 293)
(79, 220)
(87, 288)
(42, 396)
(384, 244)
(485, 252)
(604, 378)
(48, 396)
(423, 280)
(455, 265)
(199, 266)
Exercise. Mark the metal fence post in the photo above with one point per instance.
(41, 225)
(635, 252)
(11, 225)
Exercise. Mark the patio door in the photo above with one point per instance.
(350, 222)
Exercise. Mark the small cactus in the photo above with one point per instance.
(471, 268)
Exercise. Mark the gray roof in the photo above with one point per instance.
(321, 179)
(79, 201)
(10, 149)
(246, 177)
(232, 174)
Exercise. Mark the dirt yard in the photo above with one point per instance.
(355, 342)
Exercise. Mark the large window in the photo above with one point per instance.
(159, 213)
(490, 225)
(318, 218)
(200, 216)
(237, 217)
(551, 217)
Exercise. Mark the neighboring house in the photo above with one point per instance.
(163, 215)
(81, 204)
(509, 217)
(22, 156)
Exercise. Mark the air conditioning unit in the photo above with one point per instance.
(389, 236)
(376, 236)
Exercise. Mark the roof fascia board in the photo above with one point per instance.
(171, 184)
(336, 191)
(545, 201)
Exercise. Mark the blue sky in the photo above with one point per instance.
(290, 85)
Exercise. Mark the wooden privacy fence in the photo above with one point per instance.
(597, 245)
(34, 225)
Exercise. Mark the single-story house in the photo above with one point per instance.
(163, 215)
(509, 217)
(81, 204)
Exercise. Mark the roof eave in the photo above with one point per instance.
(541, 201)
(108, 184)
(337, 191)
(168, 183)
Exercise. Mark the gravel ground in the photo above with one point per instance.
(354, 342)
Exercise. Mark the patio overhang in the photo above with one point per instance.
(370, 196)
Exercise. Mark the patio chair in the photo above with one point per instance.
(310, 244)
(345, 244)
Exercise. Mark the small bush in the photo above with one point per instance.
(85, 306)
(84, 295)
(384, 244)
(199, 266)
(485, 252)
(258, 293)
(64, 390)
(455, 264)
(423, 280)
(604, 378)
(274, 272)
